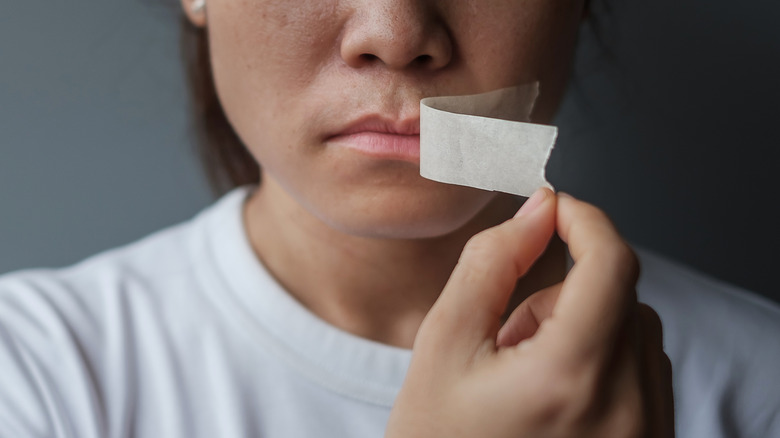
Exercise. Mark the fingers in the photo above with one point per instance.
(664, 415)
(598, 293)
(658, 374)
(642, 397)
(652, 333)
(526, 318)
(626, 408)
(469, 309)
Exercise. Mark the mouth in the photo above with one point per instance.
(382, 138)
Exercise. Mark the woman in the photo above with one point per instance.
(289, 308)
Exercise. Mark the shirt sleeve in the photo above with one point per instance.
(47, 385)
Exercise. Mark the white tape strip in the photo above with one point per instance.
(484, 141)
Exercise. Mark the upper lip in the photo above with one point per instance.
(381, 124)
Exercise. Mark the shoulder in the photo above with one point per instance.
(88, 298)
(695, 303)
(60, 331)
(78, 291)
(154, 264)
(68, 335)
(722, 341)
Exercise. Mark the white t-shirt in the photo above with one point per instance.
(184, 334)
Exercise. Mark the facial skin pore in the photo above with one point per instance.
(363, 241)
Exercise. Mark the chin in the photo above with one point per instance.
(406, 215)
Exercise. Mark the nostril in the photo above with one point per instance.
(423, 60)
(368, 57)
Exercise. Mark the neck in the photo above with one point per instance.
(380, 289)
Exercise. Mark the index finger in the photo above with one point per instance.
(599, 292)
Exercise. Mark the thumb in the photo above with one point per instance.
(468, 312)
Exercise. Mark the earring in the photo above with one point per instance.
(197, 6)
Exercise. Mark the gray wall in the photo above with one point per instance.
(673, 133)
(95, 150)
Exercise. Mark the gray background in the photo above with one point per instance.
(670, 126)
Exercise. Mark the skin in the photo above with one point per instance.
(369, 246)
(577, 359)
(376, 240)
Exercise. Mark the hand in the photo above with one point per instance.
(579, 359)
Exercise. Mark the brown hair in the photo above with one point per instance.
(222, 154)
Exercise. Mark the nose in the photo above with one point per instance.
(399, 34)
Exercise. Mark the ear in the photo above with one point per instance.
(195, 10)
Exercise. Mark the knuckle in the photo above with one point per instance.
(482, 252)
(630, 261)
(556, 402)
(596, 215)
(483, 243)
(623, 260)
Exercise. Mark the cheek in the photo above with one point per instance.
(273, 64)
(517, 42)
(557, 37)
(264, 56)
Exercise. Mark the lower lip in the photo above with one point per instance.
(383, 145)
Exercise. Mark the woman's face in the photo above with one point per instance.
(325, 94)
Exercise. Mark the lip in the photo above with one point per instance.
(382, 138)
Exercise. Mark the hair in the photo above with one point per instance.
(224, 157)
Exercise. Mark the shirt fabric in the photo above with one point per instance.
(185, 334)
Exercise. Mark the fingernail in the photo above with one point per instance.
(531, 203)
(565, 195)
